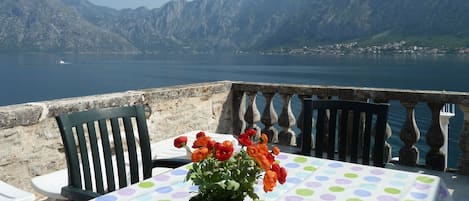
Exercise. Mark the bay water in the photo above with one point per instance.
(29, 77)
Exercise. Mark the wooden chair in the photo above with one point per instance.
(96, 162)
(341, 133)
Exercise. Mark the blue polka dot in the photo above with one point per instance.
(292, 165)
(397, 183)
(401, 175)
(293, 180)
(106, 198)
(369, 186)
(317, 163)
(329, 172)
(335, 165)
(302, 174)
(164, 189)
(362, 193)
(322, 178)
(144, 197)
(194, 188)
(179, 172)
(417, 195)
(372, 179)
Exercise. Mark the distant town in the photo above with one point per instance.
(353, 48)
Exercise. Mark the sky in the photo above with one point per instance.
(120, 4)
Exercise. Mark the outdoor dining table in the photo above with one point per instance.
(309, 178)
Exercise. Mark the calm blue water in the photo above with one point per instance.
(37, 77)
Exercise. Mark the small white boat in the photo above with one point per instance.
(62, 62)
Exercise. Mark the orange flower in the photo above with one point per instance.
(200, 154)
(263, 162)
(263, 148)
(252, 150)
(275, 150)
(201, 141)
(270, 180)
(264, 139)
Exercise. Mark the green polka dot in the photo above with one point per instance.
(353, 199)
(304, 192)
(351, 175)
(336, 189)
(392, 190)
(146, 184)
(300, 160)
(310, 168)
(425, 179)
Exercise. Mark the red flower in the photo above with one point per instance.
(181, 141)
(251, 132)
(281, 173)
(200, 134)
(282, 177)
(244, 139)
(270, 158)
(223, 151)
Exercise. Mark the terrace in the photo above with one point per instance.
(31, 143)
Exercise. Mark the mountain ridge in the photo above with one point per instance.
(229, 25)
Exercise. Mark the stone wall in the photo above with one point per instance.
(30, 142)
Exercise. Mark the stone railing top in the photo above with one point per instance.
(31, 113)
(357, 92)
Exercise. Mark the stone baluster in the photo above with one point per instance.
(299, 124)
(464, 142)
(286, 121)
(435, 159)
(410, 134)
(252, 115)
(387, 135)
(269, 118)
(239, 109)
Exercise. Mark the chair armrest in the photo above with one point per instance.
(170, 162)
(77, 194)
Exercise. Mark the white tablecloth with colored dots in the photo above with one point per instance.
(308, 178)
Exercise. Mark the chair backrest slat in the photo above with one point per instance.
(331, 136)
(353, 123)
(355, 136)
(84, 157)
(98, 175)
(145, 148)
(118, 148)
(320, 133)
(103, 129)
(342, 141)
(367, 139)
(132, 150)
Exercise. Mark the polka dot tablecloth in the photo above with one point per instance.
(308, 179)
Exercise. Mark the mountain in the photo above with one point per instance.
(50, 25)
(228, 25)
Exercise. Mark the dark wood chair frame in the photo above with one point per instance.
(77, 152)
(380, 111)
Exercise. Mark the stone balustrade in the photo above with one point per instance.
(409, 132)
(31, 143)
